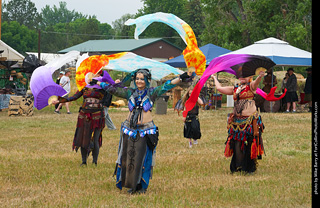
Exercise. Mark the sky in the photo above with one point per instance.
(106, 11)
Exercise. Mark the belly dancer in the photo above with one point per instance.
(245, 127)
(138, 133)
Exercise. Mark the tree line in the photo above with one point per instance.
(231, 24)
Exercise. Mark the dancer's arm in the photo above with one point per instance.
(224, 90)
(168, 85)
(76, 96)
(200, 101)
(116, 89)
(254, 84)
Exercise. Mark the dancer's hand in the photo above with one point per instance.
(261, 74)
(184, 76)
(93, 82)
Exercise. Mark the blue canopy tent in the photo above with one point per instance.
(210, 51)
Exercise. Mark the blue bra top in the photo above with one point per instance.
(140, 99)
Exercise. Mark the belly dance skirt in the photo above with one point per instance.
(135, 158)
(244, 142)
(192, 127)
(86, 125)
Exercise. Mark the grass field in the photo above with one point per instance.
(39, 169)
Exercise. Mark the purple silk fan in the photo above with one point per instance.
(43, 87)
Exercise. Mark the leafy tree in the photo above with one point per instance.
(106, 30)
(19, 37)
(121, 30)
(64, 35)
(235, 24)
(63, 28)
(61, 14)
(175, 7)
(22, 11)
(226, 24)
(60, 27)
(193, 15)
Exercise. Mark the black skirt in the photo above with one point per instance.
(192, 128)
(291, 97)
(241, 160)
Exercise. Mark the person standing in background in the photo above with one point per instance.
(291, 96)
(269, 81)
(65, 83)
(106, 102)
(58, 82)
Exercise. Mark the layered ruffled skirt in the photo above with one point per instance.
(244, 142)
(86, 126)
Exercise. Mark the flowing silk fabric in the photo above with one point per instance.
(42, 85)
(105, 78)
(223, 64)
(192, 54)
(129, 62)
(270, 96)
(91, 64)
(124, 61)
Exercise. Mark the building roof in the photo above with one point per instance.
(117, 45)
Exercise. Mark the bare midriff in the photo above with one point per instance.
(146, 117)
(249, 109)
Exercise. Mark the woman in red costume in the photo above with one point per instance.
(245, 126)
(91, 121)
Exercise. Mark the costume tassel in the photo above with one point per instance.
(228, 152)
(254, 149)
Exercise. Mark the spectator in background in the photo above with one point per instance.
(284, 82)
(65, 83)
(283, 86)
(60, 76)
(106, 102)
(269, 81)
(308, 89)
(58, 82)
(291, 96)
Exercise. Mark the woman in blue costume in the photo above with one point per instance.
(138, 133)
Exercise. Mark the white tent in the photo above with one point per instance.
(10, 53)
(46, 57)
(281, 52)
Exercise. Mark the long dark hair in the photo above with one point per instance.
(186, 96)
(146, 74)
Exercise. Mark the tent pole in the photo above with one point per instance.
(39, 44)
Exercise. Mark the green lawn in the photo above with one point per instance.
(39, 169)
